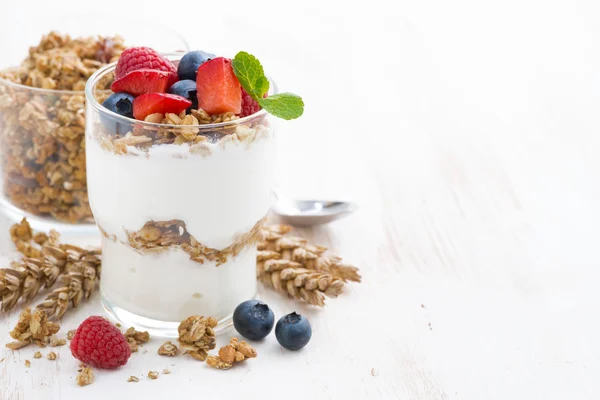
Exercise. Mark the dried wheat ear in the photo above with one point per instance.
(301, 270)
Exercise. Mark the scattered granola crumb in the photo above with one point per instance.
(153, 374)
(118, 325)
(27, 363)
(133, 346)
(52, 356)
(168, 349)
(54, 341)
(32, 328)
(135, 338)
(235, 352)
(71, 333)
(85, 376)
(216, 362)
(133, 379)
(37, 354)
(197, 336)
(374, 372)
(166, 371)
(2, 359)
(430, 328)
(422, 306)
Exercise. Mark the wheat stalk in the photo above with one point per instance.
(302, 271)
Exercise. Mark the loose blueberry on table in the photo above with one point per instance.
(293, 331)
(253, 319)
(147, 83)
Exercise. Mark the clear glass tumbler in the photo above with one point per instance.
(42, 131)
(180, 208)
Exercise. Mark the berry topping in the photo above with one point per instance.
(100, 344)
(293, 331)
(142, 81)
(249, 105)
(187, 89)
(134, 58)
(253, 319)
(219, 90)
(151, 103)
(189, 63)
(120, 103)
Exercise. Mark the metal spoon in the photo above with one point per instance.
(310, 212)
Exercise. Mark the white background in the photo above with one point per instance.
(468, 131)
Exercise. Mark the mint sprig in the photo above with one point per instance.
(252, 77)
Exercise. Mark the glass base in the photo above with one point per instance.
(166, 329)
(44, 224)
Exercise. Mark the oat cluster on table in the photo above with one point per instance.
(32, 328)
(233, 353)
(168, 349)
(85, 376)
(136, 338)
(42, 150)
(197, 336)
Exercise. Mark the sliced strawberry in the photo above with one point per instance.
(151, 103)
(219, 90)
(142, 81)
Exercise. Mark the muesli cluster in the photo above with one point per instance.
(42, 146)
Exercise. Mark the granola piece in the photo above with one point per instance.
(37, 354)
(71, 333)
(32, 328)
(216, 362)
(197, 336)
(85, 376)
(138, 336)
(27, 363)
(55, 342)
(133, 379)
(166, 371)
(231, 354)
(168, 349)
(153, 374)
(133, 346)
(52, 356)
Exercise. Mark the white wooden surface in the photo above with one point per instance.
(468, 133)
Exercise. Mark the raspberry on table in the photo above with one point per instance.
(100, 344)
(134, 58)
(249, 105)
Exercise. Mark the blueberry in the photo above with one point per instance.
(186, 88)
(253, 319)
(293, 331)
(189, 63)
(122, 104)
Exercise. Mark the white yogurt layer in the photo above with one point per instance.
(218, 196)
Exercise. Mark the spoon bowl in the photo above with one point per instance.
(310, 212)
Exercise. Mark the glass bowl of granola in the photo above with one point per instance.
(180, 195)
(42, 125)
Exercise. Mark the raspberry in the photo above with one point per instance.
(249, 105)
(100, 344)
(134, 58)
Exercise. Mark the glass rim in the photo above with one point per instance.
(93, 102)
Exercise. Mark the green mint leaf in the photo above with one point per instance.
(283, 105)
(251, 75)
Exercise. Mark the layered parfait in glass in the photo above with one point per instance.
(180, 162)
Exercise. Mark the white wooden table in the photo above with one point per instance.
(468, 133)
